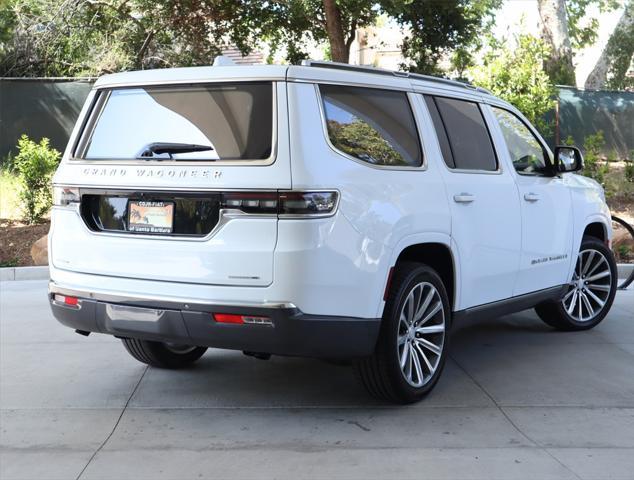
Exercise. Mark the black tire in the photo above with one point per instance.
(161, 355)
(556, 314)
(381, 373)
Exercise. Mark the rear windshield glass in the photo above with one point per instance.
(202, 122)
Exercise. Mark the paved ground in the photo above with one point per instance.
(517, 400)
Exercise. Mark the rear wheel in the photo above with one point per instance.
(162, 355)
(590, 292)
(411, 349)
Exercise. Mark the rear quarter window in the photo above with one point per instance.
(372, 125)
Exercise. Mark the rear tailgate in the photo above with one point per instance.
(205, 236)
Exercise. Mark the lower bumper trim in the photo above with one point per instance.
(293, 332)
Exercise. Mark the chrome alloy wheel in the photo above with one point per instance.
(421, 334)
(590, 286)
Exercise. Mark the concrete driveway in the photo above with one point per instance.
(517, 400)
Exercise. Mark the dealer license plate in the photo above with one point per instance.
(151, 217)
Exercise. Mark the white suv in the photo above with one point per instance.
(319, 210)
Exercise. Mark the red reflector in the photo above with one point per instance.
(71, 300)
(228, 318)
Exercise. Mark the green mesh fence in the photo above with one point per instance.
(583, 113)
(49, 108)
(39, 108)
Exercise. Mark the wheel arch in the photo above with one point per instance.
(437, 254)
(598, 225)
(596, 229)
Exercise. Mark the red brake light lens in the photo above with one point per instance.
(242, 319)
(66, 300)
(228, 318)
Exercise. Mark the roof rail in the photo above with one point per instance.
(394, 73)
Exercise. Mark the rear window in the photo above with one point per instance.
(375, 126)
(201, 122)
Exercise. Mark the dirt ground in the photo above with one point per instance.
(16, 239)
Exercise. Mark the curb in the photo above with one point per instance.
(23, 273)
(8, 274)
(625, 269)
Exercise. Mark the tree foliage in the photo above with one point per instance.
(77, 38)
(91, 37)
(517, 75)
(437, 28)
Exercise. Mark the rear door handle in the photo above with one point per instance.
(531, 197)
(464, 198)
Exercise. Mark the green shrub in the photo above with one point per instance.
(35, 164)
(593, 167)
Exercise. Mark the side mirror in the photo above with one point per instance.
(568, 159)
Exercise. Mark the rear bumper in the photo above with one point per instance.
(293, 332)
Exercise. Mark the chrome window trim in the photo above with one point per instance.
(123, 297)
(93, 117)
(324, 127)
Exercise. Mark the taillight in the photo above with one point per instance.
(284, 204)
(251, 202)
(64, 196)
(242, 319)
(307, 203)
(69, 301)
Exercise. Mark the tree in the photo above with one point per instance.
(91, 37)
(436, 28)
(78, 37)
(287, 24)
(517, 75)
(554, 22)
(566, 28)
(339, 48)
(615, 60)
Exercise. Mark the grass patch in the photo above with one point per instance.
(14, 262)
(9, 200)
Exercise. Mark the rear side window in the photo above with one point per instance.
(467, 133)
(184, 122)
(375, 126)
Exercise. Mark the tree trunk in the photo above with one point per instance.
(554, 23)
(599, 75)
(339, 50)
